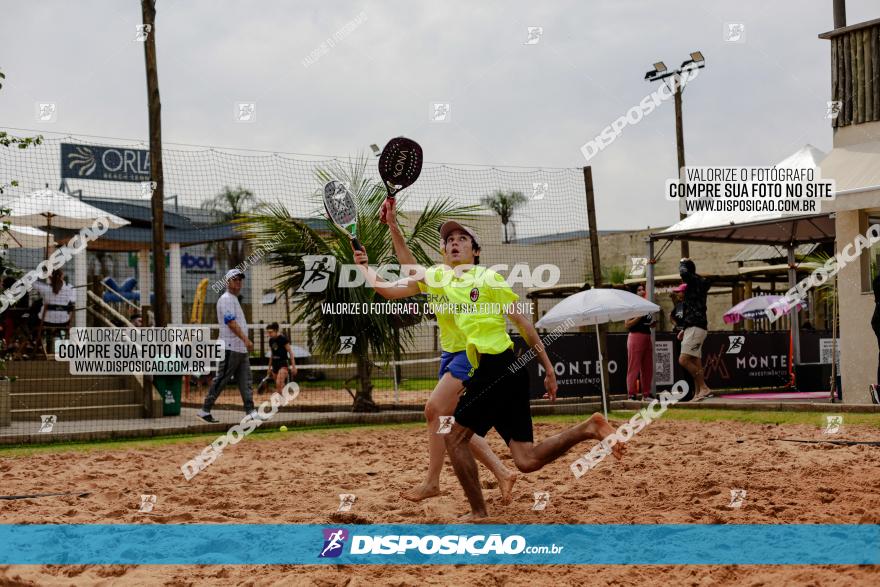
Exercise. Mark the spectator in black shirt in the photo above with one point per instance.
(281, 362)
(677, 314)
(694, 323)
(640, 359)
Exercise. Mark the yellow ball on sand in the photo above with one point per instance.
(283, 428)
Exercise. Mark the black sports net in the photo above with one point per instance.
(352, 352)
(205, 188)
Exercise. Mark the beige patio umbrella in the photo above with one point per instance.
(23, 237)
(52, 208)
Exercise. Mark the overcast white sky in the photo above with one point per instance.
(511, 103)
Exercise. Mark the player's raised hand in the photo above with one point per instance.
(388, 212)
(360, 258)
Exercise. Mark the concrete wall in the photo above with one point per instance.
(854, 164)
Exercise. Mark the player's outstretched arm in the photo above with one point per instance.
(523, 323)
(401, 249)
(390, 290)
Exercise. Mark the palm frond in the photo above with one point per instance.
(291, 239)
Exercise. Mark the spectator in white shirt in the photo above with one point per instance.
(234, 333)
(57, 299)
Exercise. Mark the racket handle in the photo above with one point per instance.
(355, 243)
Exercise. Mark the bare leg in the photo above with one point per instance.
(694, 366)
(506, 478)
(531, 457)
(281, 379)
(442, 402)
(465, 468)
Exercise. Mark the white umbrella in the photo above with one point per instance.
(51, 208)
(23, 237)
(594, 307)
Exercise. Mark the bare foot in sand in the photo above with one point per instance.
(599, 428)
(421, 492)
(506, 487)
(472, 518)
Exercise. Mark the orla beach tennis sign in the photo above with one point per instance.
(107, 163)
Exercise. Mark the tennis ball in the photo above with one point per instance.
(283, 428)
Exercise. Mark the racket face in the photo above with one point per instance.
(400, 163)
(339, 203)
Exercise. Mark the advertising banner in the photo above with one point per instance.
(730, 361)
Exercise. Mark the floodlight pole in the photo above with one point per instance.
(601, 329)
(679, 145)
(160, 312)
(649, 290)
(660, 73)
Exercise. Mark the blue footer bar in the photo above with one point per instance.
(185, 544)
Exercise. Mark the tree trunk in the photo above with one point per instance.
(363, 399)
(506, 240)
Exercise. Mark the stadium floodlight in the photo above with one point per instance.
(675, 85)
(659, 68)
(695, 62)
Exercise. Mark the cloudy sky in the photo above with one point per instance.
(511, 103)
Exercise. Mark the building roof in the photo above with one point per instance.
(138, 212)
(768, 252)
(188, 226)
(562, 236)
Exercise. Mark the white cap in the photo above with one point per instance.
(234, 273)
(451, 225)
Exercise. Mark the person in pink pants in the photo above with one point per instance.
(640, 360)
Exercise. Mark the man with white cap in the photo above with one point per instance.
(233, 332)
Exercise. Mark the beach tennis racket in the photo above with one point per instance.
(400, 164)
(340, 207)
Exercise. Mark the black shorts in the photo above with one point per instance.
(496, 398)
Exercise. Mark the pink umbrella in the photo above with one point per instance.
(753, 308)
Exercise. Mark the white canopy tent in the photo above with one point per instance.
(807, 157)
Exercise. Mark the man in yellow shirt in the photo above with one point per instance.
(454, 370)
(497, 393)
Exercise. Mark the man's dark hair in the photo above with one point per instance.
(273, 326)
(691, 267)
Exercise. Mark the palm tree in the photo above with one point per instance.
(613, 274)
(503, 204)
(289, 239)
(226, 207)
